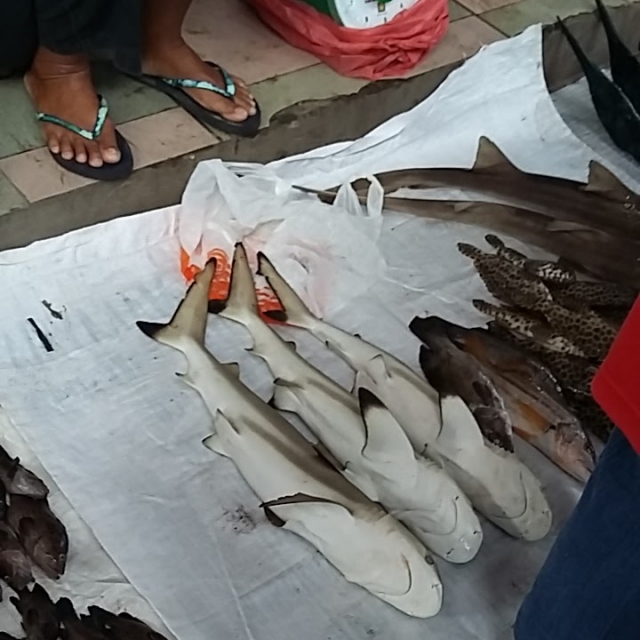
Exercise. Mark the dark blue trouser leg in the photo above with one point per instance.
(589, 587)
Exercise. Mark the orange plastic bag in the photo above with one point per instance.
(390, 50)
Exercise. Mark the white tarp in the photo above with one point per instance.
(121, 435)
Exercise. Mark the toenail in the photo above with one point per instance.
(81, 157)
(67, 155)
(111, 155)
(253, 111)
(95, 162)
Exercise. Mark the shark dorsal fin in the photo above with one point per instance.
(385, 439)
(490, 158)
(605, 183)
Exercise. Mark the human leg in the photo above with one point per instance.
(589, 587)
(166, 54)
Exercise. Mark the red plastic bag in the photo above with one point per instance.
(389, 50)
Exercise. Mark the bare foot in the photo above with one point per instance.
(60, 85)
(179, 60)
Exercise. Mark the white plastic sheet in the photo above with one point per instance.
(120, 434)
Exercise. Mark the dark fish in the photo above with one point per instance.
(603, 204)
(625, 68)
(609, 256)
(452, 372)
(42, 535)
(39, 619)
(533, 399)
(18, 480)
(614, 109)
(72, 627)
(15, 567)
(122, 626)
(590, 414)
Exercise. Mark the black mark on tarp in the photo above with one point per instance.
(45, 341)
(56, 314)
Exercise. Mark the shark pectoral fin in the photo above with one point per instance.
(214, 443)
(605, 183)
(385, 439)
(275, 520)
(376, 369)
(233, 368)
(304, 498)
(491, 158)
(284, 396)
(459, 428)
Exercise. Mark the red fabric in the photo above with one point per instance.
(389, 50)
(616, 386)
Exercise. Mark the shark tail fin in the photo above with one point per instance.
(189, 322)
(294, 312)
(241, 304)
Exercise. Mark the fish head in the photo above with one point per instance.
(26, 483)
(51, 556)
(400, 570)
(575, 449)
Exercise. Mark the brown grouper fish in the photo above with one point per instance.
(531, 395)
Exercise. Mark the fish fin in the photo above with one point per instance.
(587, 66)
(233, 368)
(190, 318)
(490, 157)
(295, 311)
(284, 397)
(494, 241)
(461, 207)
(241, 304)
(275, 520)
(65, 610)
(385, 439)
(302, 498)
(605, 183)
(376, 369)
(459, 427)
(470, 251)
(214, 443)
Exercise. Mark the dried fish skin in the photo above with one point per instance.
(39, 619)
(18, 480)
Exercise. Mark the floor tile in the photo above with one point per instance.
(38, 177)
(232, 35)
(128, 100)
(480, 6)
(315, 83)
(18, 127)
(457, 11)
(166, 135)
(464, 38)
(10, 197)
(516, 18)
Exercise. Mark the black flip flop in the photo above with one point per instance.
(107, 172)
(174, 88)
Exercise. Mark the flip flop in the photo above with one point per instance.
(108, 171)
(175, 89)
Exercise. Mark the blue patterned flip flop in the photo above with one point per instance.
(175, 89)
(108, 172)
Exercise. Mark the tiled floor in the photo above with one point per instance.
(229, 33)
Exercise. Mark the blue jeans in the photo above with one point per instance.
(589, 587)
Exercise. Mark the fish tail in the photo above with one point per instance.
(65, 610)
(294, 312)
(469, 250)
(584, 61)
(241, 304)
(613, 39)
(189, 322)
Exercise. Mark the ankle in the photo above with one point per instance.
(49, 65)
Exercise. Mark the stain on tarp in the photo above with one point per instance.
(49, 307)
(41, 336)
(241, 520)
